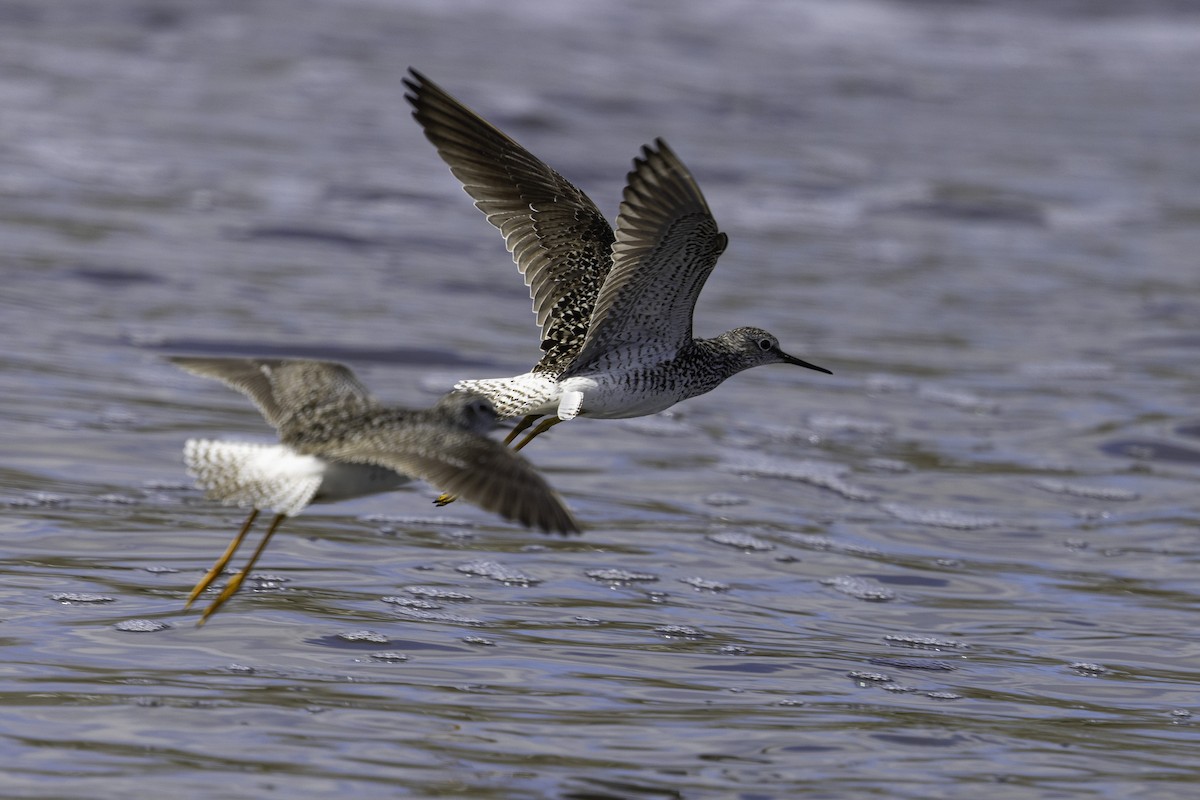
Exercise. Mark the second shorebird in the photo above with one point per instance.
(337, 442)
(615, 309)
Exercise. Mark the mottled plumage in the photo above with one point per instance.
(560, 241)
(337, 442)
(615, 309)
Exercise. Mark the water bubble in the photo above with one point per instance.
(496, 571)
(141, 626)
(705, 585)
(742, 541)
(618, 577)
(68, 598)
(363, 636)
(860, 588)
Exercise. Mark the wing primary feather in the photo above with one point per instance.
(665, 247)
(561, 243)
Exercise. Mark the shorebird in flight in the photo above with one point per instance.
(615, 309)
(337, 442)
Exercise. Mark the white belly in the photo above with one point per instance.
(275, 477)
(618, 396)
(343, 481)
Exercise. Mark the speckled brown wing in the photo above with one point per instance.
(667, 244)
(457, 461)
(560, 241)
(286, 391)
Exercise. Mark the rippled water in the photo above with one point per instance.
(965, 562)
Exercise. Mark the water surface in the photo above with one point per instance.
(965, 562)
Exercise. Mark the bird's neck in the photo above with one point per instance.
(718, 352)
(705, 363)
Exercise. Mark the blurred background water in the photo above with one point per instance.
(965, 562)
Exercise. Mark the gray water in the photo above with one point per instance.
(966, 563)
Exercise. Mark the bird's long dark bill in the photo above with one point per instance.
(799, 362)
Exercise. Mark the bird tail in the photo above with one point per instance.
(265, 476)
(518, 396)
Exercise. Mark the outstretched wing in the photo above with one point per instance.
(283, 389)
(667, 244)
(559, 240)
(460, 462)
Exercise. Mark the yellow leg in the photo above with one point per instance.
(235, 582)
(520, 426)
(219, 567)
(545, 425)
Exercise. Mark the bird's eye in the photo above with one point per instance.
(765, 344)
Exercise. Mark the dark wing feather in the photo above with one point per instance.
(460, 462)
(667, 244)
(560, 241)
(286, 391)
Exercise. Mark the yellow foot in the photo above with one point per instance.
(235, 582)
(229, 591)
(445, 499)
